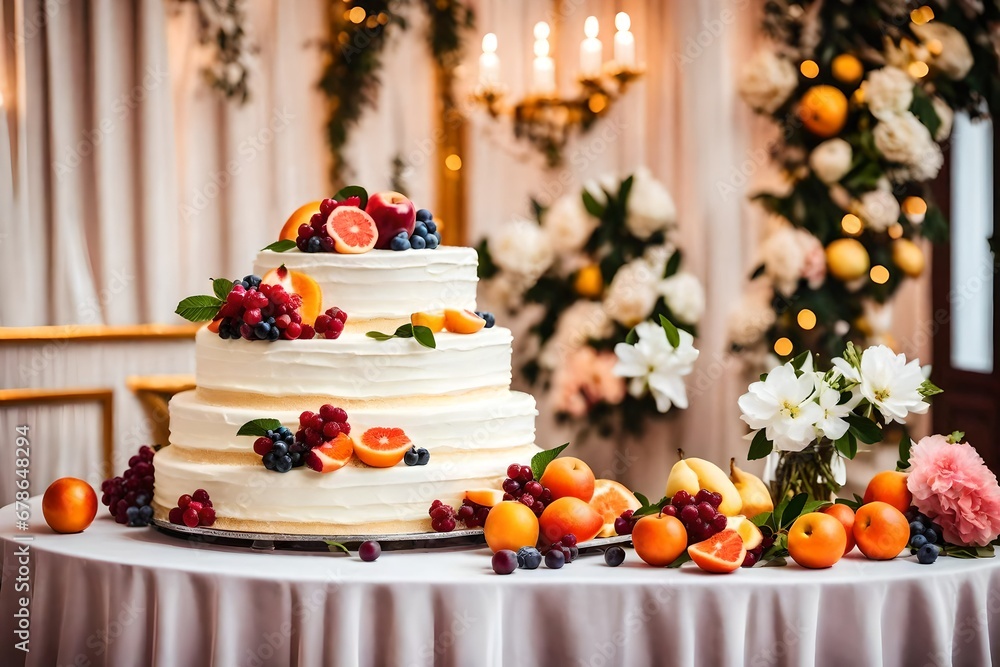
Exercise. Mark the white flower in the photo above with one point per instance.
(904, 139)
(888, 382)
(657, 256)
(790, 254)
(878, 208)
(654, 364)
(954, 58)
(753, 316)
(598, 187)
(650, 208)
(567, 224)
(578, 324)
(784, 406)
(831, 160)
(767, 80)
(833, 423)
(632, 293)
(888, 90)
(522, 247)
(684, 296)
(946, 115)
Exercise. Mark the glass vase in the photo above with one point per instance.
(809, 471)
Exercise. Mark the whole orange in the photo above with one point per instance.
(659, 539)
(69, 505)
(511, 525)
(845, 515)
(823, 110)
(889, 486)
(816, 540)
(880, 530)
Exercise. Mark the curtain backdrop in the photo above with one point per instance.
(126, 182)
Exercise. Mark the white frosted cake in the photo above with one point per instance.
(454, 401)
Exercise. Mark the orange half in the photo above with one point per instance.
(720, 554)
(296, 282)
(382, 447)
(302, 215)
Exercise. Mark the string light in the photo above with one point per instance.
(809, 69)
(895, 230)
(922, 15)
(918, 69)
(879, 274)
(934, 47)
(914, 206)
(453, 162)
(806, 319)
(357, 15)
(851, 224)
(597, 102)
(783, 347)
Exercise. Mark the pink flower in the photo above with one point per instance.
(585, 378)
(951, 485)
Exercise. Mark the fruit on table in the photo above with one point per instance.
(331, 455)
(369, 551)
(845, 515)
(720, 554)
(433, 320)
(529, 558)
(659, 539)
(823, 110)
(504, 561)
(694, 474)
(817, 540)
(610, 499)
(301, 216)
(484, 497)
(927, 554)
(753, 492)
(880, 530)
(69, 505)
(393, 213)
(520, 485)
(382, 447)
(847, 259)
(462, 321)
(296, 282)
(569, 477)
(614, 556)
(567, 545)
(745, 528)
(128, 496)
(699, 513)
(569, 515)
(511, 525)
(555, 559)
(889, 486)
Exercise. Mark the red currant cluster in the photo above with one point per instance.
(473, 515)
(256, 311)
(193, 510)
(128, 496)
(331, 323)
(443, 518)
(315, 428)
(313, 236)
(520, 485)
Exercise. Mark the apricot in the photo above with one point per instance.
(845, 515)
(817, 540)
(511, 525)
(569, 477)
(659, 539)
(880, 530)
(484, 497)
(433, 320)
(889, 486)
(462, 321)
(570, 516)
(69, 505)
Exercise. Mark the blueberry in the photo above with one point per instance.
(314, 244)
(423, 215)
(529, 558)
(132, 512)
(146, 512)
(418, 242)
(431, 226)
(142, 500)
(268, 460)
(432, 241)
(399, 243)
(490, 319)
(403, 235)
(927, 554)
(931, 536)
(283, 463)
(279, 448)
(912, 514)
(423, 456)
(285, 433)
(917, 541)
(296, 458)
(270, 435)
(614, 556)
(411, 456)
(555, 559)
(262, 330)
(917, 528)
(420, 229)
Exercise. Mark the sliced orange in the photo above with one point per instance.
(484, 497)
(213, 326)
(747, 530)
(462, 321)
(296, 282)
(433, 320)
(720, 554)
(382, 447)
(301, 216)
(353, 231)
(331, 455)
(610, 499)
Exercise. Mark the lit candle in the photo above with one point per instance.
(624, 41)
(489, 62)
(590, 50)
(543, 68)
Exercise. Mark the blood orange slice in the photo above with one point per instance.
(382, 447)
(299, 283)
(331, 455)
(353, 231)
(722, 553)
(301, 216)
(610, 499)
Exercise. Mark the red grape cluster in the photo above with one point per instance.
(699, 514)
(193, 510)
(256, 311)
(312, 236)
(753, 555)
(443, 518)
(520, 485)
(128, 496)
(331, 323)
(315, 428)
(567, 545)
(473, 515)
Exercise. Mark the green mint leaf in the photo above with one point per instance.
(632, 337)
(592, 206)
(683, 558)
(259, 427)
(673, 264)
(648, 507)
(378, 335)
(541, 460)
(221, 287)
(815, 506)
(353, 191)
(793, 509)
(199, 308)
(864, 429)
(284, 245)
(335, 546)
(760, 446)
(673, 337)
(424, 336)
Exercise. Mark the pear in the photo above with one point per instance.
(753, 491)
(694, 474)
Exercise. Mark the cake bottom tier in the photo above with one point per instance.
(356, 499)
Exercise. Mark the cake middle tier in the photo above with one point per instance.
(354, 367)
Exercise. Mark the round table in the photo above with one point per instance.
(129, 596)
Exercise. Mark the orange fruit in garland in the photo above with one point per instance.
(296, 282)
(301, 216)
(823, 110)
(722, 553)
(382, 447)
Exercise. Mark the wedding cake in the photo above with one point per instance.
(449, 395)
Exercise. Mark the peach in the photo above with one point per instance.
(880, 530)
(569, 477)
(889, 486)
(484, 497)
(817, 540)
(433, 320)
(302, 215)
(659, 539)
(570, 516)
(69, 505)
(462, 321)
(845, 515)
(511, 525)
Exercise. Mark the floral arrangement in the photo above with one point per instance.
(609, 287)
(863, 93)
(812, 418)
(220, 25)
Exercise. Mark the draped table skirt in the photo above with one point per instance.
(132, 596)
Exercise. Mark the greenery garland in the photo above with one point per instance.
(220, 25)
(359, 31)
(830, 83)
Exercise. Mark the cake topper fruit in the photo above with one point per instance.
(425, 234)
(331, 455)
(693, 474)
(382, 447)
(281, 451)
(296, 282)
(433, 320)
(69, 505)
(392, 213)
(299, 217)
(462, 321)
(353, 231)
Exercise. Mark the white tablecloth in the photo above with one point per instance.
(129, 596)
